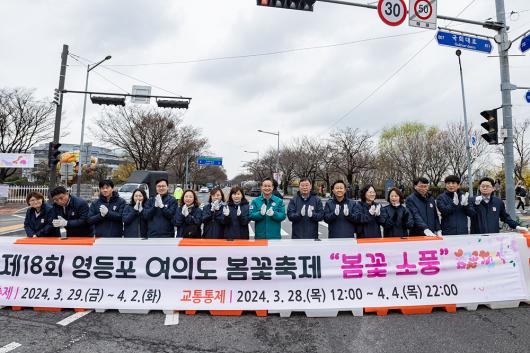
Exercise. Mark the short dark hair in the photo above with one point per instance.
(305, 179)
(161, 179)
(452, 179)
(422, 180)
(274, 183)
(36, 195)
(364, 190)
(488, 179)
(398, 192)
(142, 191)
(58, 190)
(233, 191)
(106, 182)
(338, 182)
(213, 192)
(195, 199)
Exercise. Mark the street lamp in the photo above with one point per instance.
(79, 168)
(278, 150)
(255, 152)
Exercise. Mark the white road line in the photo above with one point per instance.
(172, 319)
(72, 318)
(323, 224)
(18, 216)
(9, 347)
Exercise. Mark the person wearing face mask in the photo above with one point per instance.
(159, 211)
(422, 207)
(236, 218)
(188, 218)
(71, 213)
(305, 211)
(367, 214)
(39, 217)
(135, 225)
(338, 213)
(268, 212)
(105, 212)
(396, 219)
(212, 215)
(489, 210)
(454, 208)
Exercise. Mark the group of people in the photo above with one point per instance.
(229, 218)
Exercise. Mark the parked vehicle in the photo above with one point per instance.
(204, 189)
(143, 179)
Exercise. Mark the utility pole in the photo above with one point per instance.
(58, 111)
(186, 177)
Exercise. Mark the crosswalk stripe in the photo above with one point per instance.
(72, 318)
(9, 347)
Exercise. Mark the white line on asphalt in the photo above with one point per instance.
(19, 216)
(72, 318)
(323, 224)
(172, 319)
(9, 347)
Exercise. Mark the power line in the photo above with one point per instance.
(77, 58)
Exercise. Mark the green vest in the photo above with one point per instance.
(267, 227)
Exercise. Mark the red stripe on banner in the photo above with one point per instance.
(395, 239)
(222, 242)
(56, 241)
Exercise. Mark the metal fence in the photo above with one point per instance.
(18, 193)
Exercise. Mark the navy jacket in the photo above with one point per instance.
(41, 225)
(190, 226)
(110, 226)
(76, 213)
(160, 220)
(396, 221)
(423, 211)
(213, 222)
(367, 226)
(135, 225)
(236, 227)
(340, 226)
(305, 227)
(454, 218)
(487, 216)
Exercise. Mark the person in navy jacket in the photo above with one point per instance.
(489, 209)
(305, 211)
(396, 219)
(106, 212)
(39, 217)
(188, 218)
(236, 217)
(368, 214)
(134, 223)
(454, 208)
(422, 207)
(338, 213)
(71, 213)
(212, 215)
(159, 211)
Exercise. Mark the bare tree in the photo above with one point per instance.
(436, 159)
(23, 123)
(521, 147)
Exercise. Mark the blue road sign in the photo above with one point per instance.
(528, 97)
(209, 160)
(525, 43)
(465, 42)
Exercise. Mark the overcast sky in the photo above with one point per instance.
(303, 92)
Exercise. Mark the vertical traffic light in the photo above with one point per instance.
(491, 126)
(304, 5)
(53, 154)
(56, 96)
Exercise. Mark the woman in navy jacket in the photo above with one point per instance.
(188, 218)
(236, 217)
(212, 215)
(133, 219)
(39, 217)
(368, 214)
(395, 217)
(338, 213)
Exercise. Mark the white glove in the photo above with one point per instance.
(310, 211)
(455, 198)
(465, 199)
(226, 210)
(158, 201)
(521, 229)
(337, 209)
(302, 211)
(372, 210)
(103, 210)
(185, 211)
(346, 210)
(216, 205)
(429, 233)
(59, 222)
(263, 209)
(138, 207)
(378, 210)
(270, 212)
(238, 213)
(478, 200)
(439, 233)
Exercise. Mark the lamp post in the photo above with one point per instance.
(278, 150)
(255, 152)
(79, 168)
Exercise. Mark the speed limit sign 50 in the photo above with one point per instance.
(422, 13)
(392, 12)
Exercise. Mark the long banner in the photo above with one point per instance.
(175, 274)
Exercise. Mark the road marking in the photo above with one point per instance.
(18, 216)
(9, 347)
(172, 319)
(323, 224)
(72, 318)
(12, 228)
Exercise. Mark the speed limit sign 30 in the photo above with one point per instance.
(422, 13)
(392, 12)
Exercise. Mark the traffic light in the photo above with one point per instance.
(304, 5)
(53, 154)
(491, 125)
(56, 96)
(170, 103)
(108, 100)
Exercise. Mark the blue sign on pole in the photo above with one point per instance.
(528, 97)
(462, 41)
(525, 43)
(210, 160)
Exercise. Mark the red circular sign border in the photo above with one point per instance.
(380, 4)
(416, 12)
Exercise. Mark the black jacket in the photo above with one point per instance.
(303, 226)
(160, 220)
(396, 221)
(340, 226)
(76, 213)
(367, 226)
(135, 225)
(454, 217)
(213, 222)
(110, 226)
(236, 227)
(40, 225)
(487, 216)
(424, 213)
(190, 226)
